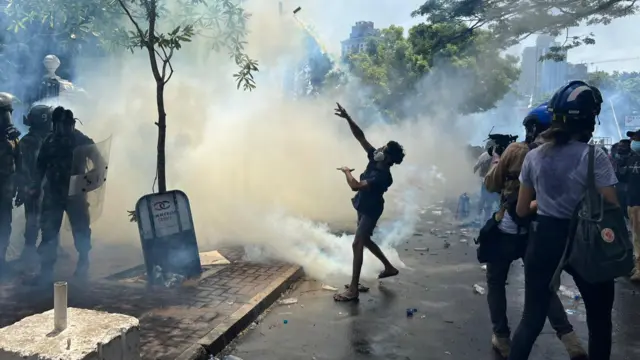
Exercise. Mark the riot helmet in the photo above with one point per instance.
(6, 109)
(63, 121)
(574, 108)
(39, 117)
(537, 121)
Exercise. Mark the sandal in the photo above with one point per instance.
(361, 288)
(344, 298)
(386, 274)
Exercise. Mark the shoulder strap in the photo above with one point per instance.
(591, 176)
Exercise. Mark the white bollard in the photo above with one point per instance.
(60, 305)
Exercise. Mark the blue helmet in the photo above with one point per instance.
(540, 116)
(576, 100)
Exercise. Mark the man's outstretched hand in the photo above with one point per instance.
(345, 169)
(341, 112)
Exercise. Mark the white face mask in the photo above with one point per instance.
(378, 156)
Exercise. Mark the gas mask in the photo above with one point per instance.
(5, 117)
(378, 155)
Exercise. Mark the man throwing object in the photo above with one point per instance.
(369, 203)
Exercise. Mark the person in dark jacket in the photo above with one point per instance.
(369, 203)
(10, 163)
(631, 170)
(39, 122)
(57, 163)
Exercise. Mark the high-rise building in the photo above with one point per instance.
(361, 32)
(539, 78)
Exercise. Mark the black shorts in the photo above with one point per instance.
(366, 224)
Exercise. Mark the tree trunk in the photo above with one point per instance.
(162, 136)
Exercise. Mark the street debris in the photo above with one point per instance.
(421, 249)
(289, 301)
(329, 287)
(565, 291)
(170, 280)
(285, 322)
(231, 357)
(446, 244)
(478, 289)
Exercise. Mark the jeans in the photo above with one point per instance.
(544, 252)
(488, 203)
(497, 273)
(634, 216)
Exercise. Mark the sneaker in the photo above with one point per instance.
(502, 345)
(574, 346)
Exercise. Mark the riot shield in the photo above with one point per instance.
(89, 174)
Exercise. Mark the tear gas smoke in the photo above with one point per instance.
(259, 168)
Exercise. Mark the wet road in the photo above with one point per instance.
(451, 321)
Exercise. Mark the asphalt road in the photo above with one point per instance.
(451, 321)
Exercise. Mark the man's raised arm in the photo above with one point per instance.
(355, 129)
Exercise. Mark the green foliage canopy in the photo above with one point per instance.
(393, 65)
(125, 24)
(511, 21)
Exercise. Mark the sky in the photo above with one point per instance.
(332, 20)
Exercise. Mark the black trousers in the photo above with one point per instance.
(544, 252)
(32, 220)
(53, 209)
(512, 248)
(6, 210)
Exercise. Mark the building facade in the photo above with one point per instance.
(361, 32)
(540, 78)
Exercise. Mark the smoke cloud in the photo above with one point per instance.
(260, 168)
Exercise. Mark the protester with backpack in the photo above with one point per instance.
(556, 175)
(509, 240)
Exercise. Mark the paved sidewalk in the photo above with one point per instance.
(172, 321)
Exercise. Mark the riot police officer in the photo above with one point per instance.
(39, 122)
(56, 161)
(10, 163)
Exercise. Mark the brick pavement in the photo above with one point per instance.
(171, 320)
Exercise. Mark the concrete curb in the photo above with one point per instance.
(220, 336)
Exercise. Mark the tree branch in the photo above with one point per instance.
(133, 21)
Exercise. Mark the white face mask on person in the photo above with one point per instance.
(378, 155)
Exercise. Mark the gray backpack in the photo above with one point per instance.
(598, 248)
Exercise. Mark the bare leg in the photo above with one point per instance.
(375, 250)
(358, 254)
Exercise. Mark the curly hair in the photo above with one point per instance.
(395, 152)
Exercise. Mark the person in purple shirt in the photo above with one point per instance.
(369, 203)
(556, 174)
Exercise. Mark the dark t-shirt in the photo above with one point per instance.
(632, 177)
(369, 201)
